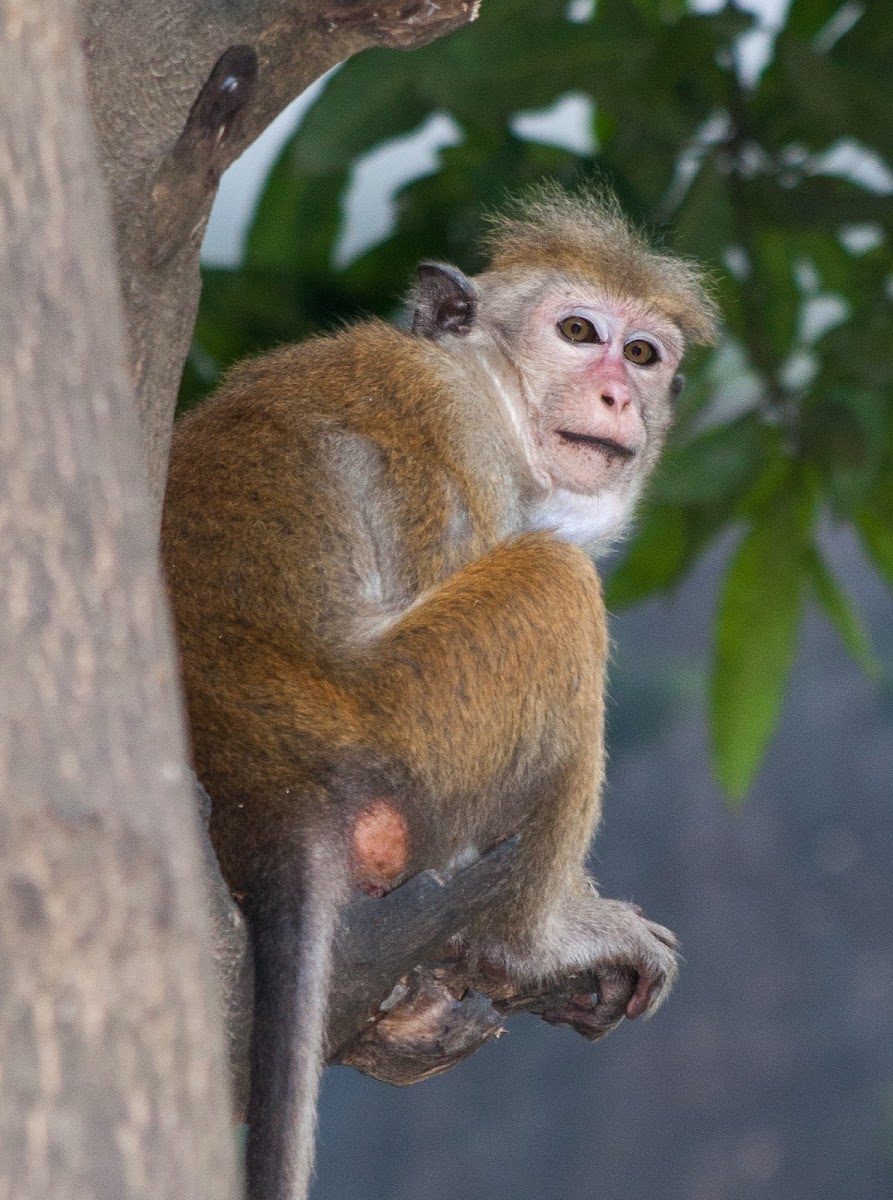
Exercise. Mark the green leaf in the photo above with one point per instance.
(875, 525)
(756, 634)
(704, 224)
(372, 98)
(845, 432)
(719, 463)
(297, 221)
(666, 11)
(656, 560)
(807, 17)
(779, 297)
(840, 611)
(816, 203)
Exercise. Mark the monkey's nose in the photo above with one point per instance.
(615, 398)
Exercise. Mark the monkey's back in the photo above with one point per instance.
(309, 502)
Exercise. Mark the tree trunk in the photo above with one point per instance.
(113, 1074)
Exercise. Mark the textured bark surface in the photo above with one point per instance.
(149, 63)
(113, 1080)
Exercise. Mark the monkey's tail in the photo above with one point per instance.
(294, 919)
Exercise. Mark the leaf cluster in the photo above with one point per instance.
(777, 177)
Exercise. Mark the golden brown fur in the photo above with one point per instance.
(393, 656)
(301, 701)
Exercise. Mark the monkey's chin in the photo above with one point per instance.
(587, 469)
(589, 463)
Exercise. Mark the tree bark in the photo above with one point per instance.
(179, 88)
(114, 1082)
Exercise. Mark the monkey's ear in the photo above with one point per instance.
(677, 383)
(445, 301)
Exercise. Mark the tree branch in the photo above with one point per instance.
(382, 940)
(179, 89)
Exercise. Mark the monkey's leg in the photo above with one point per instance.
(491, 687)
(486, 689)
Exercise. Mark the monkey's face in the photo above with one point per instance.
(599, 372)
(586, 374)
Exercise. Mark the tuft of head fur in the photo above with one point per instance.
(586, 233)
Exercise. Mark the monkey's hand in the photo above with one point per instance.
(632, 963)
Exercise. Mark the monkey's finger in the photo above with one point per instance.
(641, 998)
(593, 1015)
(655, 978)
(592, 1023)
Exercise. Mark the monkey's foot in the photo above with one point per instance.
(428, 1027)
(633, 966)
(592, 1005)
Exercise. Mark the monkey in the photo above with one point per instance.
(379, 547)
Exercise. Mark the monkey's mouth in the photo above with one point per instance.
(613, 451)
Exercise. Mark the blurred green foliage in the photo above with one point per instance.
(790, 418)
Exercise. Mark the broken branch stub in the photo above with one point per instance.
(383, 940)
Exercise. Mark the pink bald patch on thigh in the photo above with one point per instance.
(380, 841)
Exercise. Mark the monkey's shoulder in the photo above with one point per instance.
(330, 370)
(368, 396)
(369, 378)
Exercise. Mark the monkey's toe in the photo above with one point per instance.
(595, 1014)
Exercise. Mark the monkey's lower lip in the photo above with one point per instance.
(607, 446)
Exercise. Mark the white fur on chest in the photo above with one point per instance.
(594, 522)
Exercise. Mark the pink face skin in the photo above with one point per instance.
(599, 410)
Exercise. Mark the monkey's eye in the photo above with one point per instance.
(640, 352)
(578, 329)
